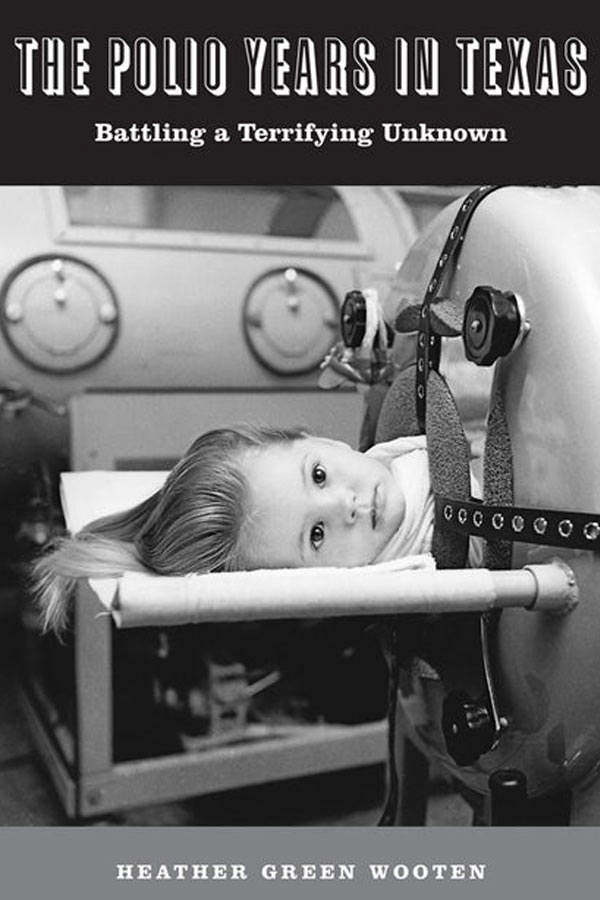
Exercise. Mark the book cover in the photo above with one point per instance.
(185, 205)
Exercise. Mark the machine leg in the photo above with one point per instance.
(93, 670)
(414, 785)
(510, 805)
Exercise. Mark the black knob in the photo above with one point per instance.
(468, 728)
(354, 319)
(354, 323)
(492, 322)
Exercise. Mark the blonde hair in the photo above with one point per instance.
(193, 524)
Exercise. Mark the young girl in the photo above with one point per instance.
(251, 498)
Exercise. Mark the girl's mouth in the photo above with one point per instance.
(374, 508)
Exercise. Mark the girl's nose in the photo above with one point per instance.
(344, 506)
(350, 509)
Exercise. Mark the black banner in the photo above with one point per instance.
(214, 99)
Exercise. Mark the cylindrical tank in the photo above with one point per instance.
(173, 288)
(542, 244)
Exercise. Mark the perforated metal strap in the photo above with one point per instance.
(429, 343)
(550, 527)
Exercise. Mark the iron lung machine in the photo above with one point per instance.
(518, 285)
(505, 701)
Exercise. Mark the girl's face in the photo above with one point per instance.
(317, 502)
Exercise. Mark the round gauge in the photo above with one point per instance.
(58, 313)
(290, 320)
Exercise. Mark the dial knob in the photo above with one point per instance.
(354, 322)
(493, 324)
(354, 319)
(467, 726)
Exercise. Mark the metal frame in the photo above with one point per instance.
(91, 784)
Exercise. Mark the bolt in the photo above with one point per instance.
(95, 796)
(14, 312)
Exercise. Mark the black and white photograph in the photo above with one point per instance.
(299, 481)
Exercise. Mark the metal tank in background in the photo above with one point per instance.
(134, 317)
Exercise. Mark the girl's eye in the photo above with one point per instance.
(319, 474)
(317, 535)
